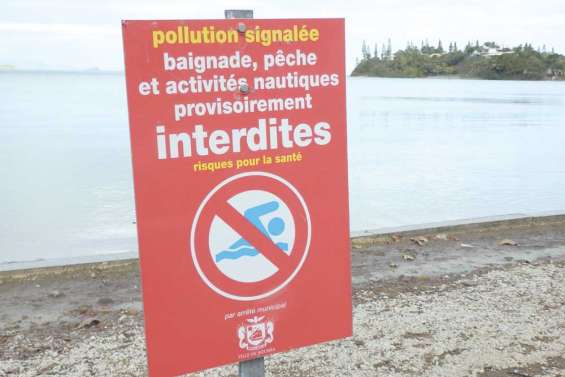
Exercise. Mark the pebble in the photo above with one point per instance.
(408, 257)
(89, 323)
(419, 240)
(467, 283)
(132, 311)
(441, 237)
(491, 333)
(56, 294)
(508, 242)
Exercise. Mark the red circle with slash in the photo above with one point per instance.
(216, 204)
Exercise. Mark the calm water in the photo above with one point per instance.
(419, 151)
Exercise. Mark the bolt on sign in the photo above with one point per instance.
(238, 137)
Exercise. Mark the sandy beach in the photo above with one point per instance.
(473, 300)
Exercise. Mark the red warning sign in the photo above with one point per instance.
(238, 135)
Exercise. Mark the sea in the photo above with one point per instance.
(421, 151)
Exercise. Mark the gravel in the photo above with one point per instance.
(476, 325)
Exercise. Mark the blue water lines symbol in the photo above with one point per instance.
(242, 248)
(236, 257)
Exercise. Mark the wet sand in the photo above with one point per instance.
(442, 302)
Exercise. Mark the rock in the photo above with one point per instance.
(408, 257)
(467, 246)
(46, 369)
(105, 309)
(441, 237)
(89, 323)
(105, 301)
(85, 310)
(508, 242)
(122, 318)
(395, 237)
(419, 240)
(468, 283)
(359, 343)
(516, 372)
(56, 294)
(392, 265)
(132, 311)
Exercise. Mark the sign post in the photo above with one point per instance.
(239, 150)
(253, 367)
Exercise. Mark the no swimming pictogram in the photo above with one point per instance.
(250, 236)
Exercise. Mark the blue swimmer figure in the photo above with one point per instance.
(275, 227)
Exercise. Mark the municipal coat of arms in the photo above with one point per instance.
(256, 334)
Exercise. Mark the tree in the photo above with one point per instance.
(519, 63)
(376, 52)
(469, 49)
(439, 47)
(365, 53)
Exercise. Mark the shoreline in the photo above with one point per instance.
(509, 220)
(454, 77)
(426, 300)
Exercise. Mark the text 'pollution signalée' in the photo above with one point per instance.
(238, 137)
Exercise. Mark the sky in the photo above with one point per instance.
(83, 34)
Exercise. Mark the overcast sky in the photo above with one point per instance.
(62, 34)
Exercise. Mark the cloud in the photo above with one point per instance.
(45, 24)
(22, 27)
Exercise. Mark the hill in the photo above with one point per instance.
(487, 61)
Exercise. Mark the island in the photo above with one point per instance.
(486, 61)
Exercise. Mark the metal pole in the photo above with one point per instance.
(252, 368)
(255, 367)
